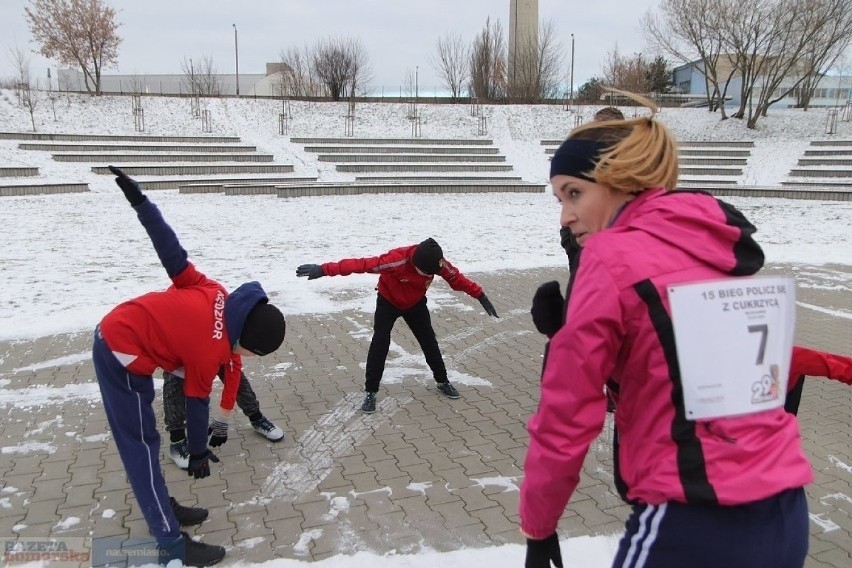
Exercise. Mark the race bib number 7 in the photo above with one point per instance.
(734, 341)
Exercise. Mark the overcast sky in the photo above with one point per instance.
(398, 34)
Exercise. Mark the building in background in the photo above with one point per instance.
(523, 38)
(830, 91)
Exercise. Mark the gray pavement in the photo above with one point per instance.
(423, 472)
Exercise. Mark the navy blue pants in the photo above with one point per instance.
(418, 320)
(128, 403)
(772, 533)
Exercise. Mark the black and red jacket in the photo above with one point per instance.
(399, 282)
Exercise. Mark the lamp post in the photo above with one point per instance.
(237, 59)
(571, 80)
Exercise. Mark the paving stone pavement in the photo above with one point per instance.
(423, 471)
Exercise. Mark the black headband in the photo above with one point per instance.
(576, 158)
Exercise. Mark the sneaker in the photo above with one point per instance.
(188, 516)
(268, 430)
(179, 452)
(369, 405)
(190, 552)
(448, 390)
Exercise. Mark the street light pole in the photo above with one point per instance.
(237, 59)
(572, 70)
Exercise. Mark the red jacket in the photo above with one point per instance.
(819, 364)
(179, 330)
(399, 282)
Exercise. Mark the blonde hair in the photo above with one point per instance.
(641, 152)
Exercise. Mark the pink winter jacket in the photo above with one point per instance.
(618, 326)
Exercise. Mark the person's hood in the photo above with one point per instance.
(238, 304)
(710, 230)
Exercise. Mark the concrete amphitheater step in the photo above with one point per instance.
(831, 142)
(332, 149)
(126, 158)
(410, 158)
(400, 141)
(832, 152)
(323, 189)
(262, 186)
(714, 152)
(815, 183)
(821, 173)
(42, 189)
(711, 161)
(14, 171)
(714, 171)
(442, 167)
(116, 137)
(178, 183)
(200, 170)
(686, 181)
(213, 148)
(433, 178)
(842, 162)
(813, 193)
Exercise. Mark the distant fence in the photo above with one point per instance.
(663, 102)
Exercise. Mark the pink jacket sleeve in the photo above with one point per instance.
(572, 409)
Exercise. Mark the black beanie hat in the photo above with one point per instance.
(577, 158)
(427, 256)
(264, 329)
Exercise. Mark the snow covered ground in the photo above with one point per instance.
(67, 259)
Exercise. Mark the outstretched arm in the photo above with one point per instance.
(816, 363)
(165, 241)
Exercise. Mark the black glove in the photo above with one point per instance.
(218, 432)
(312, 271)
(488, 306)
(548, 308)
(199, 464)
(129, 186)
(541, 552)
(567, 240)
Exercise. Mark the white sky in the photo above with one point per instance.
(67, 259)
(398, 35)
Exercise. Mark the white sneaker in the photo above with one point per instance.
(179, 452)
(268, 430)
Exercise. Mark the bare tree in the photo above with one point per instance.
(831, 42)
(626, 73)
(76, 32)
(536, 66)
(487, 62)
(26, 94)
(297, 79)
(688, 30)
(781, 64)
(409, 84)
(450, 62)
(341, 65)
(200, 77)
(360, 70)
(136, 84)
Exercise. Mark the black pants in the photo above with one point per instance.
(418, 320)
(174, 402)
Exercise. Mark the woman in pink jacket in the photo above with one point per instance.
(726, 491)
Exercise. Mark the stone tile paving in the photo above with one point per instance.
(423, 471)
